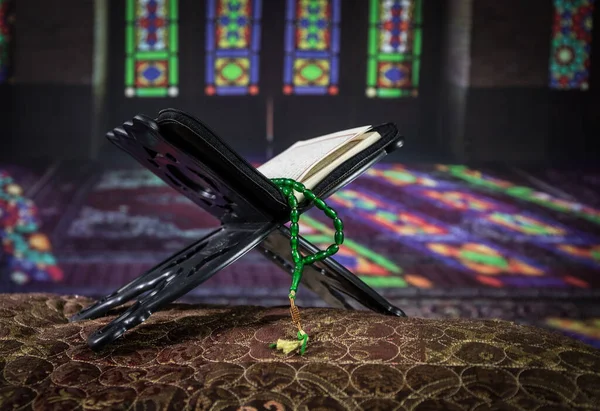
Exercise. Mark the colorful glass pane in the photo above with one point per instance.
(571, 44)
(394, 49)
(151, 46)
(232, 47)
(6, 18)
(312, 46)
(26, 251)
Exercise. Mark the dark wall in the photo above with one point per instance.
(242, 120)
(52, 78)
(55, 44)
(303, 116)
(6, 119)
(6, 88)
(455, 77)
(238, 119)
(484, 92)
(511, 114)
(575, 116)
(510, 44)
(507, 116)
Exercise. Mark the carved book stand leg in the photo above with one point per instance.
(246, 223)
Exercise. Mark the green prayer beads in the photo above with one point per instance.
(287, 187)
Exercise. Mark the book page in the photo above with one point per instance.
(336, 157)
(299, 158)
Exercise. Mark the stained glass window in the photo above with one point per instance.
(571, 44)
(232, 46)
(5, 39)
(312, 46)
(151, 46)
(394, 49)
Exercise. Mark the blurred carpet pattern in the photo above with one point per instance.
(415, 233)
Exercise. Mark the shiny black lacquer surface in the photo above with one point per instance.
(247, 220)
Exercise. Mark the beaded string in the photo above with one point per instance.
(287, 187)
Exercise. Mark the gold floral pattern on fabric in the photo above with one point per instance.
(206, 357)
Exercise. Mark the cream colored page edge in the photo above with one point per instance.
(368, 140)
(270, 171)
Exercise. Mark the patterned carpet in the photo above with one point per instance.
(444, 234)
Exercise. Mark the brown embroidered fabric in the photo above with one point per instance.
(200, 358)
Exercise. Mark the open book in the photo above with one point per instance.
(310, 161)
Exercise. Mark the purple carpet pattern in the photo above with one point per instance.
(414, 233)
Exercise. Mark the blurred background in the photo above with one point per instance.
(491, 210)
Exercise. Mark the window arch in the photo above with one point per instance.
(312, 38)
(232, 47)
(312, 47)
(151, 46)
(394, 49)
(571, 44)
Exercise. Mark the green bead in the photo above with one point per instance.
(296, 256)
(309, 259)
(337, 223)
(320, 204)
(321, 255)
(294, 215)
(294, 229)
(287, 187)
(309, 195)
(331, 213)
(292, 201)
